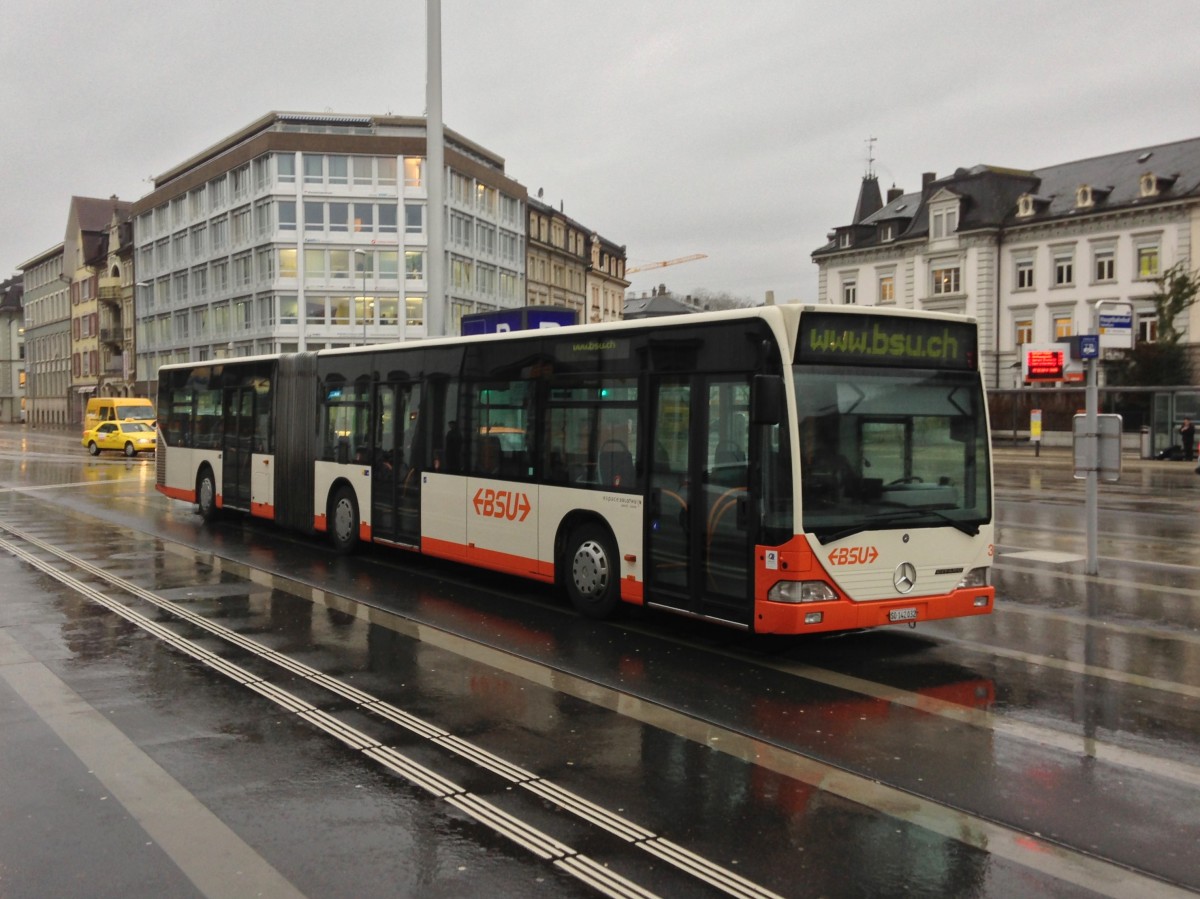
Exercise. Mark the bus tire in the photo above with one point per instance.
(206, 494)
(343, 521)
(592, 576)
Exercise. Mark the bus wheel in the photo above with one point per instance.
(129, 450)
(343, 521)
(206, 494)
(592, 580)
(93, 449)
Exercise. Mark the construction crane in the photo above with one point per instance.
(629, 270)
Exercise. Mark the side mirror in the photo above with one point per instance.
(766, 400)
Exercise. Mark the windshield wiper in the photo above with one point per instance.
(970, 528)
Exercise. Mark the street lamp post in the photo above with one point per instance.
(362, 310)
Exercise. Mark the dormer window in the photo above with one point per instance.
(943, 222)
(887, 233)
(1083, 197)
(1151, 185)
(844, 239)
(1031, 204)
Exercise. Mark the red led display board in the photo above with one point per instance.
(1044, 365)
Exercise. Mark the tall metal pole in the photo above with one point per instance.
(362, 309)
(435, 174)
(1092, 427)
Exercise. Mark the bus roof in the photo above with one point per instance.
(784, 318)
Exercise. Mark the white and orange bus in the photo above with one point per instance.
(786, 469)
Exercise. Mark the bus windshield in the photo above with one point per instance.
(884, 448)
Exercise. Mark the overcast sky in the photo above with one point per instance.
(735, 129)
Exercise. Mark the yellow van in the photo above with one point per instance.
(118, 408)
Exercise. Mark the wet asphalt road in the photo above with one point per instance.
(234, 711)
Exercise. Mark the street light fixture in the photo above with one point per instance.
(362, 310)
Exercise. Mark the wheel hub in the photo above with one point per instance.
(343, 517)
(590, 569)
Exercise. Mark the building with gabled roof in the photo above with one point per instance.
(86, 243)
(1029, 254)
(571, 266)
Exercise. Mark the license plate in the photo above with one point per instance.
(902, 615)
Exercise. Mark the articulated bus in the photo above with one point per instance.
(786, 469)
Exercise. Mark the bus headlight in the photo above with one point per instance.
(976, 577)
(801, 591)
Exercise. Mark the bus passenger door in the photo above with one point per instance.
(237, 446)
(698, 534)
(724, 515)
(395, 464)
(668, 571)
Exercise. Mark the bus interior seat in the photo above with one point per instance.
(728, 454)
(490, 456)
(662, 459)
(616, 466)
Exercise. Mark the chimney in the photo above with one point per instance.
(928, 178)
(894, 193)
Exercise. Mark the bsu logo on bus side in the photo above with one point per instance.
(501, 504)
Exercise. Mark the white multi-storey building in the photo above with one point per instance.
(12, 352)
(1029, 254)
(47, 314)
(305, 231)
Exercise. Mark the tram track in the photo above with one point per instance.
(543, 845)
(1080, 868)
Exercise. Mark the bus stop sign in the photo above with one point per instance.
(1089, 346)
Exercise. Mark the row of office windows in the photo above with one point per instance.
(341, 170)
(1103, 269)
(943, 281)
(262, 312)
(946, 280)
(269, 218)
(262, 266)
(352, 218)
(266, 172)
(484, 238)
(336, 172)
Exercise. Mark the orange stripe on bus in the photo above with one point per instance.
(188, 496)
(262, 510)
(632, 590)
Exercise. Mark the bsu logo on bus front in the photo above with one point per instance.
(501, 504)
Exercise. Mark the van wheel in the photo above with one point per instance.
(93, 449)
(206, 494)
(592, 575)
(343, 521)
(129, 450)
